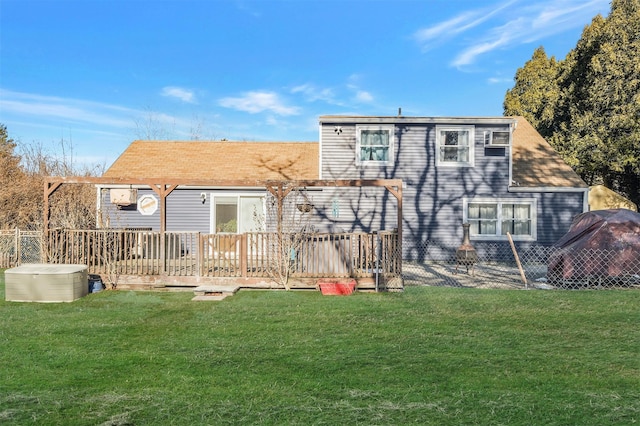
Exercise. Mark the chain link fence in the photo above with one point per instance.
(526, 266)
(18, 247)
(497, 265)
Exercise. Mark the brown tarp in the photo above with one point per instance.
(600, 243)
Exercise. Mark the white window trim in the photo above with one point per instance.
(221, 194)
(390, 129)
(472, 143)
(499, 201)
(489, 142)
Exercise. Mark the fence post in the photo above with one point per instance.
(243, 255)
(18, 247)
(198, 272)
(377, 250)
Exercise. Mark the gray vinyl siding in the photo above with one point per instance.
(358, 209)
(556, 211)
(185, 212)
(433, 196)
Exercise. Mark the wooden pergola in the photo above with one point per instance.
(278, 188)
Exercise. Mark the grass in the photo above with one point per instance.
(426, 356)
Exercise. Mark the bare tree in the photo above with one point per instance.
(71, 206)
(153, 126)
(287, 217)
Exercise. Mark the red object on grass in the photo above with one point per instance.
(337, 287)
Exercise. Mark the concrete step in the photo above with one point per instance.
(214, 292)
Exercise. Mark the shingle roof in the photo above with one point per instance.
(603, 198)
(537, 164)
(189, 160)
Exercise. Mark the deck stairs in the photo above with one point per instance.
(214, 292)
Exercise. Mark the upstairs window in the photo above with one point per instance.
(374, 144)
(454, 146)
(493, 219)
(497, 138)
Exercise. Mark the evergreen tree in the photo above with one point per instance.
(595, 124)
(8, 159)
(535, 94)
(600, 108)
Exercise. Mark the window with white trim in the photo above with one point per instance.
(497, 138)
(236, 213)
(493, 219)
(454, 146)
(374, 145)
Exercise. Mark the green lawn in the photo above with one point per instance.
(426, 356)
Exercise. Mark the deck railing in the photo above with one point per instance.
(142, 252)
(313, 255)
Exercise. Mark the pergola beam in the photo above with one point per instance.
(397, 183)
(164, 186)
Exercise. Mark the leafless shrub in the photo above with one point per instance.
(290, 215)
(22, 187)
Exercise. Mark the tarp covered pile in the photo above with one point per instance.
(601, 243)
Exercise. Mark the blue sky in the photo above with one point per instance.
(99, 74)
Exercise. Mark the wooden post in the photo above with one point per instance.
(523, 277)
(163, 192)
(18, 248)
(49, 189)
(243, 255)
(396, 191)
(199, 256)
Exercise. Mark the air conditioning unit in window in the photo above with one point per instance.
(123, 196)
(497, 138)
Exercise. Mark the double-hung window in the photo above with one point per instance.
(493, 219)
(374, 145)
(454, 146)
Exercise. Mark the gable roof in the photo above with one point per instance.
(536, 164)
(200, 160)
(603, 198)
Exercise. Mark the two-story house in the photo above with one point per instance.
(496, 173)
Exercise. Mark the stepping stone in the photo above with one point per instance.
(214, 292)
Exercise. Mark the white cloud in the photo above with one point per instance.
(499, 80)
(48, 114)
(461, 23)
(360, 95)
(364, 96)
(500, 37)
(250, 10)
(185, 95)
(313, 93)
(259, 101)
(64, 109)
(567, 12)
(447, 29)
(509, 24)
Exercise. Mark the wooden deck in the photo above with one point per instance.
(148, 259)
